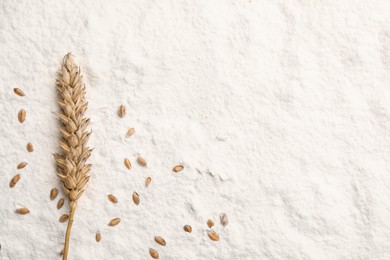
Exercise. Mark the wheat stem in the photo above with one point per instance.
(68, 229)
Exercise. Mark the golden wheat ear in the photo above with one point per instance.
(72, 168)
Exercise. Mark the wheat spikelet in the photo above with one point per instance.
(72, 168)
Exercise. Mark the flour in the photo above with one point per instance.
(278, 111)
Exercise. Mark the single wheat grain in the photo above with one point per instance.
(14, 180)
(60, 203)
(19, 92)
(114, 222)
(187, 228)
(127, 163)
(30, 147)
(213, 235)
(21, 165)
(153, 253)
(135, 198)
(148, 180)
(122, 111)
(64, 217)
(224, 219)
(22, 211)
(130, 132)
(22, 115)
(98, 236)
(178, 168)
(210, 223)
(112, 198)
(53, 193)
(160, 240)
(141, 161)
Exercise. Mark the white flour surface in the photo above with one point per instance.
(278, 110)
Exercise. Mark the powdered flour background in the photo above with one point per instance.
(279, 111)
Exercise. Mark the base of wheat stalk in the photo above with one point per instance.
(72, 168)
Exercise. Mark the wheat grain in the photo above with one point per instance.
(60, 203)
(72, 167)
(130, 132)
(30, 147)
(187, 228)
(127, 163)
(21, 165)
(135, 198)
(19, 92)
(14, 180)
(178, 168)
(153, 253)
(53, 193)
(22, 115)
(148, 180)
(210, 223)
(224, 219)
(22, 211)
(121, 111)
(64, 217)
(141, 161)
(160, 240)
(114, 222)
(213, 235)
(112, 198)
(98, 236)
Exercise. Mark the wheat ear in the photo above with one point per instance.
(71, 163)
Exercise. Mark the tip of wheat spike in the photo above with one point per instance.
(68, 61)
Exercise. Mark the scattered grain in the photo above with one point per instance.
(30, 147)
(213, 235)
(22, 115)
(60, 203)
(53, 193)
(127, 163)
(122, 111)
(210, 223)
(64, 218)
(19, 92)
(130, 132)
(160, 240)
(135, 198)
(178, 168)
(114, 222)
(22, 211)
(148, 180)
(153, 253)
(224, 219)
(112, 198)
(98, 236)
(14, 180)
(141, 161)
(187, 228)
(21, 165)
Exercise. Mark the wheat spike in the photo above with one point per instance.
(72, 167)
